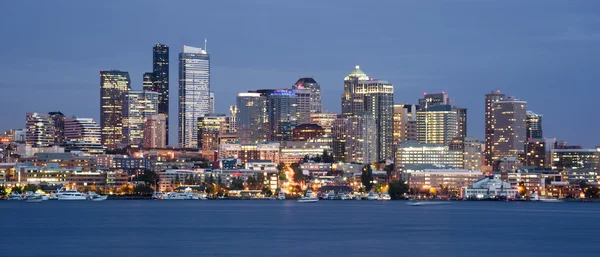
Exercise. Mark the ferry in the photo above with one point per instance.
(308, 198)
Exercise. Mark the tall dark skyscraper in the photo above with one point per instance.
(58, 119)
(490, 99)
(534, 125)
(160, 80)
(113, 84)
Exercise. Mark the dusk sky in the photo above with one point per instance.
(544, 52)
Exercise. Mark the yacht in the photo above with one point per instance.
(308, 198)
(70, 195)
(34, 199)
(544, 198)
(175, 196)
(158, 196)
(341, 196)
(358, 197)
(31, 194)
(14, 196)
(330, 195)
(96, 197)
(281, 196)
(386, 197)
(371, 196)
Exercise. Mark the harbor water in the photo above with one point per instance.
(288, 228)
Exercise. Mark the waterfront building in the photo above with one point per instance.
(131, 165)
(295, 151)
(537, 152)
(65, 160)
(325, 120)
(39, 130)
(246, 152)
(113, 84)
(489, 187)
(251, 117)
(509, 164)
(82, 135)
(316, 169)
(405, 122)
(437, 124)
(509, 116)
(194, 93)
(282, 113)
(490, 99)
(137, 106)
(533, 122)
(314, 98)
(574, 159)
(452, 180)
(160, 82)
(435, 154)
(53, 173)
(307, 131)
(154, 131)
(170, 179)
(58, 121)
(363, 94)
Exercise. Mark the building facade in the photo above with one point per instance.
(160, 81)
(39, 130)
(533, 122)
(538, 152)
(58, 120)
(282, 106)
(415, 153)
(574, 159)
(251, 117)
(405, 122)
(83, 135)
(510, 131)
(154, 131)
(194, 93)
(490, 99)
(309, 98)
(113, 84)
(437, 125)
(137, 106)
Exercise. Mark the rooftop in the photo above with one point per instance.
(357, 73)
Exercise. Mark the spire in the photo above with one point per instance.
(205, 45)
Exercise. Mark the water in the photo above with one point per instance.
(286, 228)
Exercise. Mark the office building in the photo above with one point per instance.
(574, 159)
(538, 152)
(434, 154)
(147, 81)
(309, 98)
(82, 135)
(295, 151)
(282, 113)
(325, 120)
(533, 122)
(338, 134)
(472, 153)
(248, 152)
(137, 106)
(433, 99)
(58, 120)
(405, 122)
(437, 124)
(376, 97)
(194, 93)
(307, 131)
(39, 130)
(113, 84)
(210, 127)
(490, 99)
(212, 102)
(461, 121)
(160, 81)
(509, 128)
(251, 117)
(154, 131)
(360, 139)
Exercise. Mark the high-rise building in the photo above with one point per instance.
(534, 125)
(232, 120)
(283, 115)
(113, 84)
(194, 93)
(472, 153)
(39, 130)
(82, 135)
(209, 128)
(405, 117)
(160, 81)
(154, 131)
(251, 117)
(360, 143)
(148, 82)
(509, 128)
(325, 120)
(461, 120)
(490, 99)
(58, 119)
(575, 159)
(338, 134)
(364, 94)
(537, 152)
(137, 106)
(433, 99)
(437, 124)
(309, 98)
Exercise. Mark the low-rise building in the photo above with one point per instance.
(451, 180)
(489, 187)
(294, 151)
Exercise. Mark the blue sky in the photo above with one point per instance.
(544, 52)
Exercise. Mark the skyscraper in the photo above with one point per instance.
(433, 99)
(160, 81)
(209, 128)
(437, 124)
(360, 144)
(137, 106)
(113, 84)
(509, 128)
(283, 114)
(148, 82)
(461, 120)
(364, 94)
(82, 135)
(58, 119)
(39, 130)
(490, 99)
(194, 93)
(251, 117)
(154, 131)
(309, 98)
(534, 125)
(405, 126)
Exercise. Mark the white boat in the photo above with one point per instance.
(341, 196)
(358, 197)
(158, 196)
(330, 195)
(308, 198)
(281, 196)
(70, 195)
(96, 197)
(371, 196)
(544, 198)
(31, 194)
(386, 197)
(423, 203)
(36, 199)
(175, 196)
(15, 196)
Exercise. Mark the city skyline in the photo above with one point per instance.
(418, 70)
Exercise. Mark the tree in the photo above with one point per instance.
(125, 189)
(591, 192)
(267, 191)
(298, 175)
(17, 189)
(397, 189)
(444, 190)
(280, 166)
(30, 187)
(367, 177)
(143, 189)
(236, 184)
(389, 169)
(327, 157)
(3, 191)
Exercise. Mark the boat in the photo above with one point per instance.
(15, 196)
(330, 195)
(423, 203)
(96, 197)
(34, 199)
(70, 195)
(158, 196)
(544, 198)
(281, 196)
(371, 196)
(358, 197)
(386, 197)
(341, 196)
(31, 194)
(175, 196)
(308, 198)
